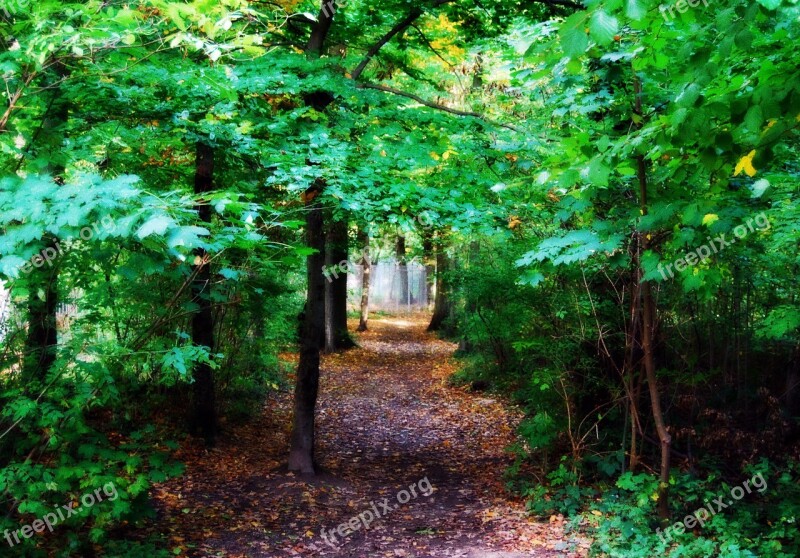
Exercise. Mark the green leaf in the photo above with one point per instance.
(754, 118)
(304, 251)
(710, 218)
(188, 237)
(155, 225)
(603, 27)
(759, 187)
(770, 4)
(229, 273)
(174, 13)
(598, 173)
(574, 42)
(635, 10)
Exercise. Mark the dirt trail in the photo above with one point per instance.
(387, 423)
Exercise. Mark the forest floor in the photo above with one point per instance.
(387, 420)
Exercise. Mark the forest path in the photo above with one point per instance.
(387, 421)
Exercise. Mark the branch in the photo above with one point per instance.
(430, 46)
(433, 105)
(316, 41)
(12, 102)
(562, 3)
(399, 28)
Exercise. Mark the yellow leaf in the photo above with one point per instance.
(746, 164)
(434, 156)
(710, 219)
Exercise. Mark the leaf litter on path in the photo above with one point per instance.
(386, 420)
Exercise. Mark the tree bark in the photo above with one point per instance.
(312, 331)
(42, 339)
(441, 307)
(205, 414)
(793, 385)
(301, 454)
(41, 342)
(648, 325)
(664, 438)
(336, 336)
(402, 269)
(366, 266)
(316, 42)
(430, 267)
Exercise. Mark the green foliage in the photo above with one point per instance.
(562, 494)
(533, 177)
(761, 524)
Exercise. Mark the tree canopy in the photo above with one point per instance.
(603, 195)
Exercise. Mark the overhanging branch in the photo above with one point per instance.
(433, 105)
(563, 3)
(399, 28)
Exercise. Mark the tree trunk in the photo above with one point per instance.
(316, 42)
(301, 454)
(402, 268)
(441, 308)
(430, 267)
(205, 414)
(42, 339)
(312, 331)
(792, 397)
(631, 380)
(648, 325)
(366, 266)
(336, 336)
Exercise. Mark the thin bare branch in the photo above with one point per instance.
(436, 106)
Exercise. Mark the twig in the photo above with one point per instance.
(431, 104)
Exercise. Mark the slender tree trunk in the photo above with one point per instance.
(793, 385)
(366, 266)
(430, 267)
(648, 322)
(402, 268)
(648, 327)
(301, 454)
(42, 339)
(336, 336)
(312, 329)
(632, 380)
(441, 308)
(205, 414)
